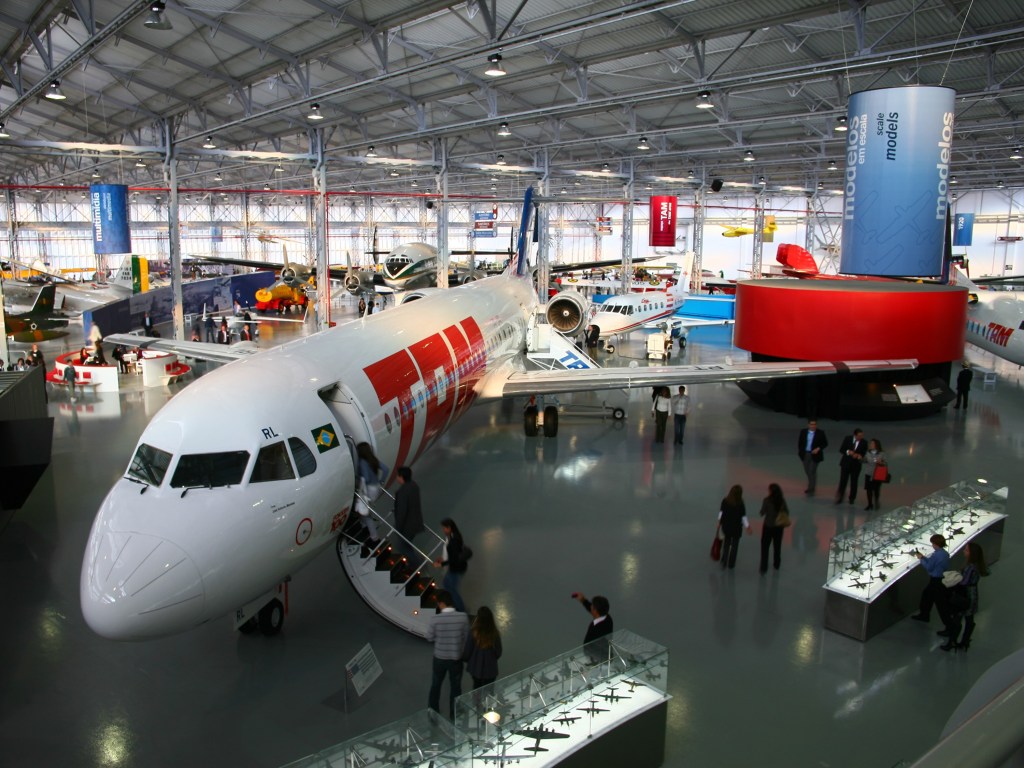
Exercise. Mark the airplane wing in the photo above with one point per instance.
(336, 273)
(573, 266)
(200, 350)
(686, 322)
(510, 383)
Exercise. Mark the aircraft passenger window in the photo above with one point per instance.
(629, 310)
(305, 461)
(210, 470)
(272, 464)
(149, 465)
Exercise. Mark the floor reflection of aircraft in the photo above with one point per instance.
(768, 232)
(39, 323)
(538, 734)
(268, 432)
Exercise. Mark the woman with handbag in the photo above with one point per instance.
(776, 520)
(972, 573)
(370, 472)
(732, 516)
(874, 459)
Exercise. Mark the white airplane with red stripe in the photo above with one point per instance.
(246, 475)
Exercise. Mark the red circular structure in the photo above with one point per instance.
(851, 320)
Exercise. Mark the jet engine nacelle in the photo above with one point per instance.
(406, 296)
(358, 283)
(567, 312)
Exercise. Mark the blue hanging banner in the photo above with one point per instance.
(896, 189)
(111, 229)
(963, 229)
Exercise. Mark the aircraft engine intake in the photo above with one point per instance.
(406, 296)
(567, 312)
(353, 284)
(288, 276)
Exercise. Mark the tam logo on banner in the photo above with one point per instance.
(663, 221)
(963, 229)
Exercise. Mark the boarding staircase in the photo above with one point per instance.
(400, 588)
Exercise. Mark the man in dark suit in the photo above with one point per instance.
(600, 626)
(963, 385)
(851, 453)
(810, 447)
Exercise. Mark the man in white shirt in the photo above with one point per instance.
(680, 409)
(447, 631)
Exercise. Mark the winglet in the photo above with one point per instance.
(517, 265)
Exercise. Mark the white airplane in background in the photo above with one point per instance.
(995, 319)
(621, 315)
(245, 475)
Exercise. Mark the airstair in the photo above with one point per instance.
(400, 587)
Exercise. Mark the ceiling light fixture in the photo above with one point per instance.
(54, 93)
(748, 156)
(393, 173)
(643, 144)
(266, 187)
(999, 184)
(690, 175)
(139, 164)
(157, 19)
(208, 144)
(4, 134)
(494, 186)
(314, 113)
(503, 130)
(1016, 154)
(761, 181)
(704, 100)
(840, 125)
(371, 152)
(278, 169)
(562, 191)
(953, 196)
(605, 168)
(415, 183)
(832, 165)
(218, 177)
(95, 173)
(501, 160)
(821, 185)
(952, 179)
(494, 68)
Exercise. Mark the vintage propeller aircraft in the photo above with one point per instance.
(247, 475)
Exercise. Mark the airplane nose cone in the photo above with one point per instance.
(135, 586)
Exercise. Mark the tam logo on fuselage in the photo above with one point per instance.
(425, 375)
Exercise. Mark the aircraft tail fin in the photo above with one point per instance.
(959, 277)
(797, 261)
(517, 265)
(45, 301)
(123, 274)
(683, 276)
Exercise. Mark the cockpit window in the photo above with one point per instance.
(149, 465)
(305, 461)
(272, 463)
(210, 470)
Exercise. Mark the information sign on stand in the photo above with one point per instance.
(363, 669)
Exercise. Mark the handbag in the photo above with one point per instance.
(716, 547)
(880, 474)
(782, 519)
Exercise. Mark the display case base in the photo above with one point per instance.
(638, 742)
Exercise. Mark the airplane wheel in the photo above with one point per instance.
(271, 617)
(249, 627)
(530, 421)
(618, 414)
(550, 421)
(609, 348)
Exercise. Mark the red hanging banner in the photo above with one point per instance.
(663, 221)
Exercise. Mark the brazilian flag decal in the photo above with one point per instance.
(325, 437)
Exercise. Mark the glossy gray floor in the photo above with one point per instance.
(755, 679)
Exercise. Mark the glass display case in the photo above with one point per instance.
(603, 703)
(875, 563)
(864, 561)
(551, 710)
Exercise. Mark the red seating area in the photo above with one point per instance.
(175, 371)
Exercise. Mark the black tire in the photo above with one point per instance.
(530, 421)
(249, 627)
(618, 414)
(550, 421)
(271, 617)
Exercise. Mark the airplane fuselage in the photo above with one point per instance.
(623, 314)
(994, 323)
(252, 488)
